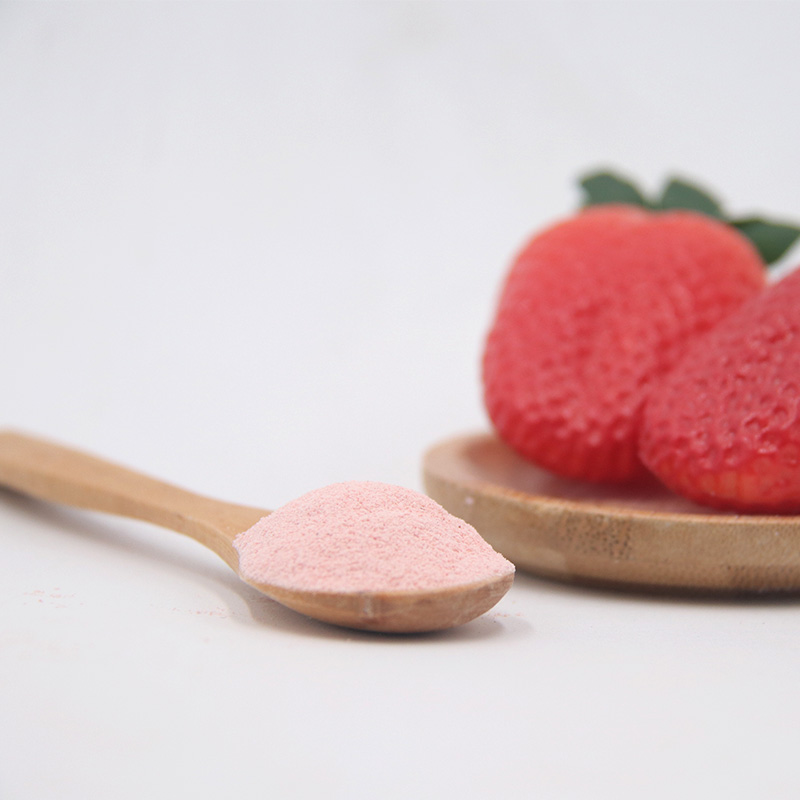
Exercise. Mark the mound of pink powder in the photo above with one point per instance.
(364, 536)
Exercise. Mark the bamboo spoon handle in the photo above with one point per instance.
(56, 473)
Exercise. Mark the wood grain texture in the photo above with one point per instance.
(50, 471)
(636, 537)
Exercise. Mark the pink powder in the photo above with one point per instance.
(365, 537)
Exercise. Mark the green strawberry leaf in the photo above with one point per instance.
(681, 194)
(606, 187)
(771, 239)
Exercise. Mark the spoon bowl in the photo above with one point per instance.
(52, 472)
(640, 537)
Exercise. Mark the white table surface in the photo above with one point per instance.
(253, 249)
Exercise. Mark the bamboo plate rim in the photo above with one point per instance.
(643, 538)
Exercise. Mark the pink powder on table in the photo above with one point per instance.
(363, 536)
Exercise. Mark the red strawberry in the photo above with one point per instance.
(723, 428)
(593, 311)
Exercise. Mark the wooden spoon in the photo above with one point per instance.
(52, 472)
(641, 537)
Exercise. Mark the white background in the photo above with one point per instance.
(254, 249)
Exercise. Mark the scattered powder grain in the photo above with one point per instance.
(364, 536)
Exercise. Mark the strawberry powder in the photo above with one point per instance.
(364, 536)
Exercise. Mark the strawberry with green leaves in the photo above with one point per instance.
(597, 308)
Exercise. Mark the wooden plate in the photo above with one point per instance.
(641, 537)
